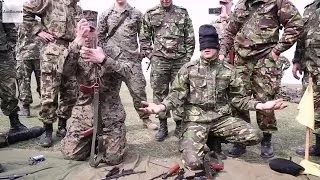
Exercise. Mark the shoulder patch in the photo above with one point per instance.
(227, 65)
(152, 9)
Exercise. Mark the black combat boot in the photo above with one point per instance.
(46, 137)
(15, 124)
(163, 130)
(266, 146)
(177, 131)
(62, 130)
(237, 150)
(214, 144)
(314, 150)
(25, 110)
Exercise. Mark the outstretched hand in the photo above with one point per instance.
(272, 105)
(152, 108)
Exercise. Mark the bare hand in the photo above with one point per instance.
(272, 105)
(82, 28)
(274, 56)
(45, 36)
(152, 108)
(221, 57)
(296, 67)
(92, 55)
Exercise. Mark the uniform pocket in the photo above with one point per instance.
(197, 89)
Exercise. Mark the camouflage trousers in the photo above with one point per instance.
(230, 129)
(136, 84)
(24, 72)
(53, 84)
(75, 146)
(9, 102)
(262, 79)
(316, 95)
(163, 73)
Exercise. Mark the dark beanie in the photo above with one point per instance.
(208, 37)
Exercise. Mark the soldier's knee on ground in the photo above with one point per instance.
(191, 160)
(74, 156)
(113, 159)
(254, 137)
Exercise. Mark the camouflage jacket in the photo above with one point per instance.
(109, 73)
(57, 17)
(220, 25)
(126, 35)
(8, 35)
(170, 32)
(207, 90)
(28, 45)
(254, 28)
(308, 45)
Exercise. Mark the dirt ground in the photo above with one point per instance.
(141, 141)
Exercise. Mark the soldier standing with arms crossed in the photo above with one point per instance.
(57, 29)
(253, 30)
(307, 60)
(169, 29)
(125, 38)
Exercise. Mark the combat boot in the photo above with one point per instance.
(214, 144)
(314, 150)
(46, 137)
(25, 110)
(147, 123)
(15, 124)
(163, 130)
(237, 150)
(266, 146)
(177, 131)
(1, 168)
(62, 128)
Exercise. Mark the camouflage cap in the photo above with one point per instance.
(91, 17)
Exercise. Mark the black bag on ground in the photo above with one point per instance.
(285, 166)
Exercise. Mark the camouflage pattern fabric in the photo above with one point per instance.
(308, 52)
(290, 94)
(207, 90)
(127, 32)
(8, 39)
(9, 102)
(263, 78)
(170, 32)
(163, 72)
(57, 18)
(28, 61)
(230, 129)
(77, 147)
(24, 72)
(251, 42)
(283, 63)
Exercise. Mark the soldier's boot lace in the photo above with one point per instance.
(266, 146)
(15, 124)
(314, 150)
(147, 123)
(177, 131)
(46, 137)
(163, 130)
(214, 144)
(237, 150)
(62, 128)
(25, 110)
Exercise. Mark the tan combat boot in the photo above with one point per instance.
(147, 123)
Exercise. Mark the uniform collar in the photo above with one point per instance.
(127, 7)
(165, 10)
(212, 62)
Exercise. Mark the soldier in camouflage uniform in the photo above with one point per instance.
(253, 30)
(57, 30)
(306, 60)
(80, 63)
(28, 61)
(127, 33)
(9, 102)
(169, 29)
(208, 87)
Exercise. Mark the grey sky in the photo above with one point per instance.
(198, 10)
